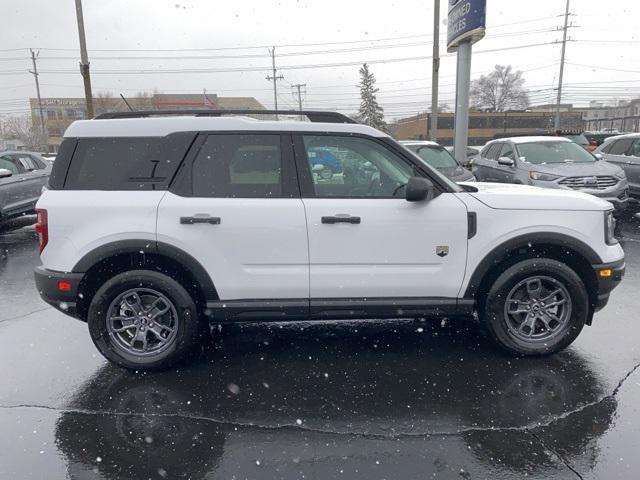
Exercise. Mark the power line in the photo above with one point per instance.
(286, 67)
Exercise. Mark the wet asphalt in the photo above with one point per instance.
(353, 400)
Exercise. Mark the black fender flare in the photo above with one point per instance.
(501, 252)
(140, 247)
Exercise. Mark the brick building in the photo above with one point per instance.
(59, 113)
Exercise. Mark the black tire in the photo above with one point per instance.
(184, 337)
(500, 325)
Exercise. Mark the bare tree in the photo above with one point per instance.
(24, 129)
(503, 89)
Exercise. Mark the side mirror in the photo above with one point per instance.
(419, 189)
(4, 173)
(598, 156)
(506, 161)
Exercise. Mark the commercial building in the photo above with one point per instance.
(59, 113)
(484, 125)
(623, 117)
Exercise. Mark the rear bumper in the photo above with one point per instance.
(607, 284)
(48, 285)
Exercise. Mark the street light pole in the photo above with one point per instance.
(84, 61)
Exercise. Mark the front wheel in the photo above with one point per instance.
(143, 320)
(536, 307)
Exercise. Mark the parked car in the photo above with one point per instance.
(580, 139)
(154, 227)
(551, 162)
(576, 136)
(22, 176)
(440, 159)
(472, 152)
(624, 151)
(597, 138)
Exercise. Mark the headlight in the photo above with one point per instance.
(609, 228)
(545, 177)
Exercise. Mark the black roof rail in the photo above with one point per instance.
(312, 115)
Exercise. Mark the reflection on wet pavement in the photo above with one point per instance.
(375, 399)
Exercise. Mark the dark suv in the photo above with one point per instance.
(22, 176)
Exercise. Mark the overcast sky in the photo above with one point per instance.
(602, 59)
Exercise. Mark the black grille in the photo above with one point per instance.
(601, 182)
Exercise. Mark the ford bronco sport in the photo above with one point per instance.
(157, 223)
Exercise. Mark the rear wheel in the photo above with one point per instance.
(536, 307)
(144, 320)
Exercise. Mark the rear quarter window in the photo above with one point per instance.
(125, 163)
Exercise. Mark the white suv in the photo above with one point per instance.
(152, 227)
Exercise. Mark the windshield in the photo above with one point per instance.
(580, 139)
(554, 152)
(436, 156)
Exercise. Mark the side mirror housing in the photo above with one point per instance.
(419, 189)
(4, 173)
(506, 161)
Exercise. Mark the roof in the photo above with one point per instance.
(623, 135)
(161, 126)
(530, 139)
(230, 103)
(419, 142)
(17, 152)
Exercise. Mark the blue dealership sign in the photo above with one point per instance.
(466, 22)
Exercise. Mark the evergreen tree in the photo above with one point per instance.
(370, 112)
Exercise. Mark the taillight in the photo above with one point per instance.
(42, 227)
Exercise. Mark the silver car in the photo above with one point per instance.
(22, 176)
(551, 162)
(624, 151)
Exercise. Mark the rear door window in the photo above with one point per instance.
(241, 166)
(27, 163)
(126, 163)
(620, 147)
(635, 148)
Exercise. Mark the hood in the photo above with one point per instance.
(577, 169)
(524, 197)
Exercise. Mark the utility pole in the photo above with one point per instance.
(34, 72)
(298, 86)
(564, 47)
(84, 61)
(275, 79)
(434, 71)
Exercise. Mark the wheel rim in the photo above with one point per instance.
(537, 309)
(142, 322)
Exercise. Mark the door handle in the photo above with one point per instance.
(200, 219)
(341, 218)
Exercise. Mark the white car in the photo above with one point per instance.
(156, 225)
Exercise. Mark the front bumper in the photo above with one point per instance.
(48, 283)
(607, 283)
(618, 195)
